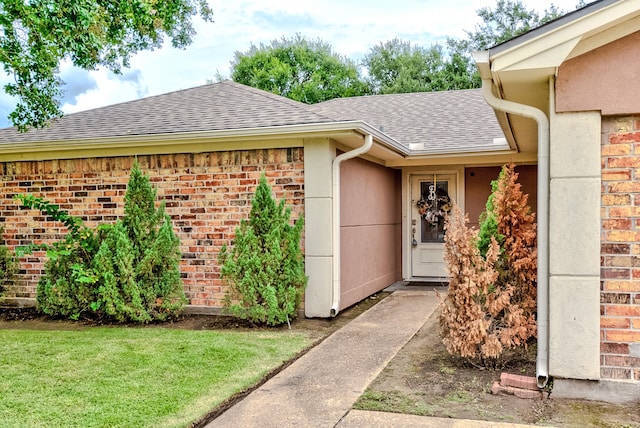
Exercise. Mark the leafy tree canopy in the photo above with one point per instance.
(36, 35)
(309, 70)
(508, 19)
(398, 67)
(297, 68)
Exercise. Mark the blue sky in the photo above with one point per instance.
(351, 27)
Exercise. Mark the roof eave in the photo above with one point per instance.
(520, 69)
(547, 47)
(197, 141)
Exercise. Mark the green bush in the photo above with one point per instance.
(8, 267)
(264, 269)
(128, 271)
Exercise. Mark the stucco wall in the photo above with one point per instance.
(477, 188)
(605, 79)
(207, 194)
(370, 229)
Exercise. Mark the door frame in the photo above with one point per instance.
(407, 177)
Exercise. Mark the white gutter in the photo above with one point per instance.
(542, 359)
(21, 147)
(335, 196)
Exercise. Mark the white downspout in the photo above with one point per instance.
(542, 360)
(335, 196)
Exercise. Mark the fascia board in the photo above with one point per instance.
(246, 138)
(232, 139)
(552, 47)
(524, 59)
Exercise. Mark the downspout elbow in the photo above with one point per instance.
(335, 194)
(542, 359)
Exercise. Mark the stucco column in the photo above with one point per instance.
(574, 250)
(318, 159)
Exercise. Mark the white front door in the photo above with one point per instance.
(431, 198)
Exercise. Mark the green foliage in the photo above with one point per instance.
(36, 36)
(508, 19)
(128, 271)
(79, 238)
(66, 289)
(264, 269)
(118, 294)
(8, 266)
(489, 223)
(309, 71)
(398, 67)
(303, 70)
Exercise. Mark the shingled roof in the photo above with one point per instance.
(423, 120)
(438, 121)
(213, 107)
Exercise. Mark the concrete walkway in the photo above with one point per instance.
(319, 389)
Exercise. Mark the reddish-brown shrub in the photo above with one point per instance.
(491, 303)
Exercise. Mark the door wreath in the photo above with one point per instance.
(434, 205)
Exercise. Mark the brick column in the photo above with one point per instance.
(620, 249)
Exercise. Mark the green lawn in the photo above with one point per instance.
(130, 377)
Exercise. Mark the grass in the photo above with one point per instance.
(142, 377)
(391, 401)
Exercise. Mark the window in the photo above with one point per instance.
(434, 205)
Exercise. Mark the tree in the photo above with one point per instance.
(398, 67)
(509, 19)
(304, 70)
(265, 269)
(35, 36)
(138, 262)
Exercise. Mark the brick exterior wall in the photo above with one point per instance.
(206, 194)
(620, 249)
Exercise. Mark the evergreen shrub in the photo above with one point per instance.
(8, 266)
(264, 269)
(127, 271)
(491, 303)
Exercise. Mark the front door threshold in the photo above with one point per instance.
(429, 279)
(412, 284)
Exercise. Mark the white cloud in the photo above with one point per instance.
(77, 81)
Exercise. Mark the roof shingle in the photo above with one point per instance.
(433, 120)
(423, 121)
(218, 106)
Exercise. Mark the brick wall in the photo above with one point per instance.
(206, 194)
(620, 249)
